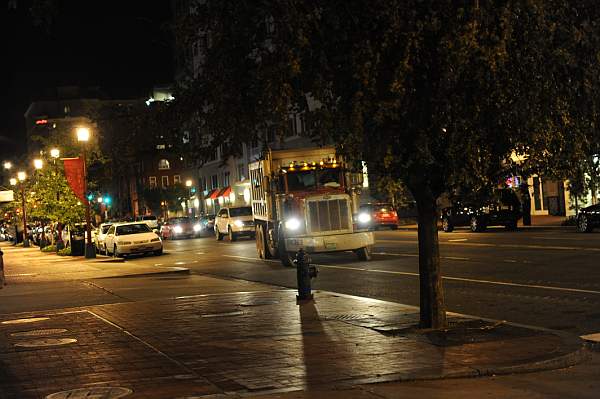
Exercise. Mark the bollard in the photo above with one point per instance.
(2, 281)
(304, 272)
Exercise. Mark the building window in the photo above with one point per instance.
(202, 183)
(165, 181)
(302, 123)
(176, 179)
(152, 181)
(292, 127)
(241, 172)
(163, 164)
(160, 146)
(214, 181)
(226, 179)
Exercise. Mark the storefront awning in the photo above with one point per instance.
(213, 194)
(225, 192)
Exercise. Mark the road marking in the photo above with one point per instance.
(200, 253)
(455, 258)
(509, 261)
(467, 280)
(480, 244)
(458, 239)
(180, 263)
(21, 275)
(394, 254)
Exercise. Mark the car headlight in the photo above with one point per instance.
(197, 227)
(155, 239)
(238, 223)
(364, 217)
(292, 224)
(125, 243)
(178, 229)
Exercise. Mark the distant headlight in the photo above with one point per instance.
(238, 223)
(292, 224)
(177, 229)
(364, 217)
(155, 239)
(197, 227)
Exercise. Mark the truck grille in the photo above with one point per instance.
(328, 215)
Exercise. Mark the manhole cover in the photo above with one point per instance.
(92, 393)
(37, 343)
(39, 333)
(225, 314)
(260, 302)
(24, 321)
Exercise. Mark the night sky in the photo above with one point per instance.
(122, 46)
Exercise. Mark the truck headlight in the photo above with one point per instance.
(238, 223)
(292, 224)
(364, 217)
(197, 227)
(178, 229)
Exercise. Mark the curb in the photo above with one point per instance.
(171, 270)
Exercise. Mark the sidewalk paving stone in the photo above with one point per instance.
(215, 345)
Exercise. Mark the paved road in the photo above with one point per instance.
(544, 277)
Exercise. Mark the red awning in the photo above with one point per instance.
(225, 192)
(213, 194)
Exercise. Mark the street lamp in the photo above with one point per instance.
(83, 136)
(7, 165)
(55, 153)
(13, 181)
(21, 176)
(38, 163)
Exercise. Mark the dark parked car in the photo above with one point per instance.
(505, 210)
(588, 218)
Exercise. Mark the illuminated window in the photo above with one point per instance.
(176, 179)
(152, 181)
(163, 164)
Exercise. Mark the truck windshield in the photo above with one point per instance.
(309, 179)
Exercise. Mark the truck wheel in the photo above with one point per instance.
(231, 234)
(364, 253)
(260, 242)
(218, 235)
(446, 225)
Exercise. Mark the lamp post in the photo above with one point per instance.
(21, 176)
(83, 136)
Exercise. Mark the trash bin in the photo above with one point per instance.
(77, 246)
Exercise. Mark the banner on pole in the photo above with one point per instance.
(75, 174)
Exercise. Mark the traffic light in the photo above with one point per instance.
(90, 196)
(107, 200)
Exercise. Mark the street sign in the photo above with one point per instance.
(7, 196)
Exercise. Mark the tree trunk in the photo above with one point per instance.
(433, 309)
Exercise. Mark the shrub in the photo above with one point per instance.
(49, 248)
(65, 251)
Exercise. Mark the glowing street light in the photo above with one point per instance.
(55, 153)
(13, 181)
(83, 134)
(38, 163)
(188, 183)
(7, 165)
(21, 176)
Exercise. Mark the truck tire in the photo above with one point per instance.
(287, 258)
(260, 242)
(364, 253)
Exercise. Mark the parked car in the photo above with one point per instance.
(588, 218)
(206, 223)
(100, 235)
(235, 222)
(178, 227)
(376, 215)
(132, 238)
(502, 210)
(150, 220)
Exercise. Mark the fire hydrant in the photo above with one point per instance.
(304, 272)
(2, 283)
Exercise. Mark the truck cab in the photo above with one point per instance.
(305, 199)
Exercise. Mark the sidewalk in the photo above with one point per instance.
(25, 265)
(537, 222)
(246, 344)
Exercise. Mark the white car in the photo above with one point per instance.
(150, 220)
(132, 238)
(235, 222)
(100, 235)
